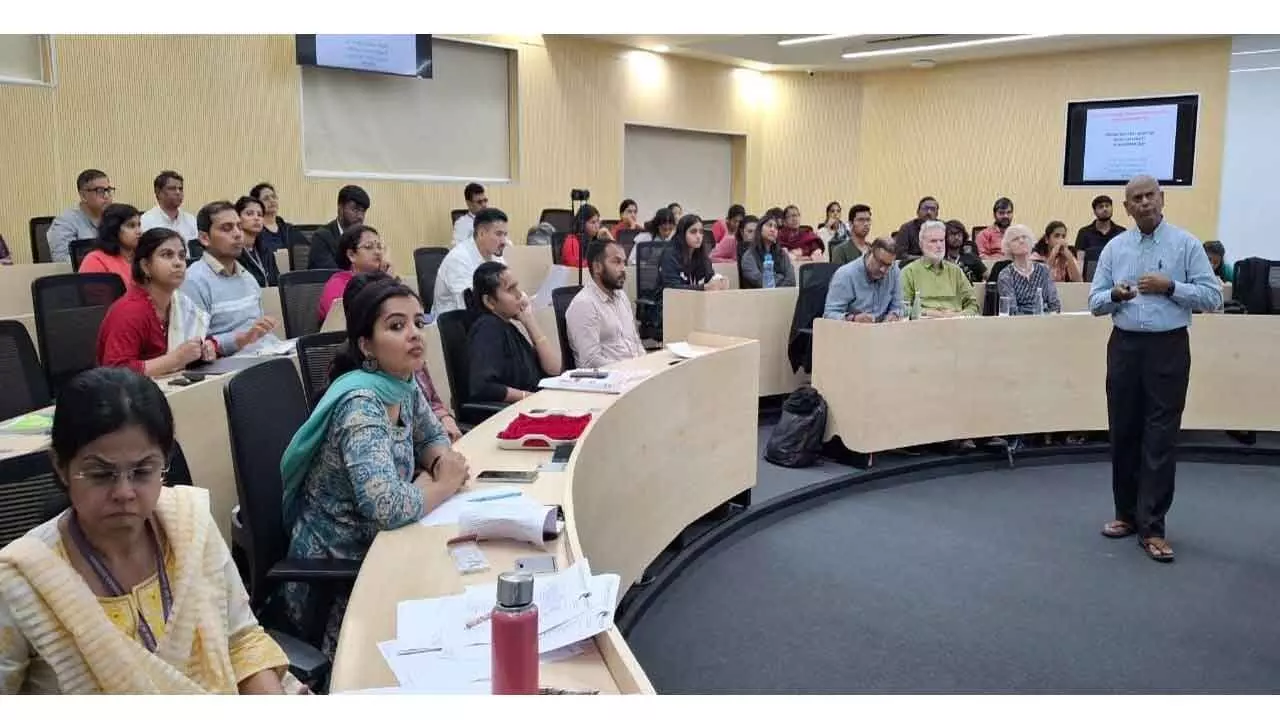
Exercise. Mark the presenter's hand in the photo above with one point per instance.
(864, 318)
(1122, 292)
(1154, 284)
(892, 317)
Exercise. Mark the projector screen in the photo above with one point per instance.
(1109, 142)
(406, 55)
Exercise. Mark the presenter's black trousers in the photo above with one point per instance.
(1147, 375)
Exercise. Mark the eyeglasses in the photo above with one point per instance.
(376, 247)
(101, 191)
(106, 476)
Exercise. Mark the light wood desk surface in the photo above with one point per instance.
(763, 315)
(728, 270)
(636, 478)
(1075, 295)
(895, 385)
(15, 285)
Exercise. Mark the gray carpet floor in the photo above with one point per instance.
(996, 581)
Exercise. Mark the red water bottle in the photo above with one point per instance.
(515, 636)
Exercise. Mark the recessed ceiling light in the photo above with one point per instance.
(944, 46)
(811, 39)
(662, 48)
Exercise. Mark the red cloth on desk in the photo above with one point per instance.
(556, 427)
(130, 333)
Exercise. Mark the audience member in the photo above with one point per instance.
(6, 258)
(942, 287)
(168, 212)
(154, 329)
(371, 456)
(1028, 284)
(867, 289)
(750, 232)
(505, 365)
(730, 224)
(457, 270)
(800, 242)
(677, 212)
(117, 240)
(1099, 232)
(685, 265)
(360, 251)
(1218, 261)
(81, 222)
(220, 286)
(1054, 251)
(540, 234)
(963, 253)
(751, 266)
(990, 239)
(275, 230)
(93, 600)
(476, 200)
(585, 224)
(907, 240)
(256, 257)
(599, 322)
(834, 231)
(859, 230)
(662, 227)
(628, 217)
(353, 203)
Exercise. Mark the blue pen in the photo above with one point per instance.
(503, 496)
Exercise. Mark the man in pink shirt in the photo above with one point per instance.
(991, 240)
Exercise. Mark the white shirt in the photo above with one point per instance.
(184, 225)
(463, 228)
(456, 274)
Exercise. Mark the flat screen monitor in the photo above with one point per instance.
(1110, 141)
(405, 55)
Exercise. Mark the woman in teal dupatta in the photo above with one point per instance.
(372, 456)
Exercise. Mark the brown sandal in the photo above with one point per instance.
(1118, 529)
(1157, 548)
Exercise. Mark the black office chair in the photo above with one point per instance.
(627, 239)
(194, 250)
(300, 292)
(455, 214)
(28, 490)
(557, 247)
(560, 299)
(426, 262)
(560, 219)
(648, 290)
(811, 299)
(315, 354)
(38, 228)
(300, 246)
(69, 310)
(455, 327)
(78, 249)
(991, 298)
(23, 385)
(1091, 262)
(265, 407)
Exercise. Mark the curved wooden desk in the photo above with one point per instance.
(653, 460)
(911, 383)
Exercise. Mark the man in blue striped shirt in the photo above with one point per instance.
(1149, 279)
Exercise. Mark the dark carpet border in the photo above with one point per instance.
(638, 600)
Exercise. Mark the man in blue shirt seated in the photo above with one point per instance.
(867, 290)
(1149, 279)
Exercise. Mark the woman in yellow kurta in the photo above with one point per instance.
(131, 590)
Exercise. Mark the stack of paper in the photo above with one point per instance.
(614, 382)
(442, 644)
(450, 510)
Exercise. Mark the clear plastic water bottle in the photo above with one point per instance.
(915, 306)
(769, 279)
(1038, 309)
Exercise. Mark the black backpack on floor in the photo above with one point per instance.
(796, 441)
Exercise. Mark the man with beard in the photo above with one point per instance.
(907, 238)
(1149, 280)
(1097, 233)
(599, 321)
(991, 239)
(943, 288)
(961, 252)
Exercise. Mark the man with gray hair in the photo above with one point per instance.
(1149, 279)
(941, 286)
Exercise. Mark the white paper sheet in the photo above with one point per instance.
(615, 382)
(451, 509)
(685, 350)
(515, 518)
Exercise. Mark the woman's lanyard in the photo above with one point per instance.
(99, 567)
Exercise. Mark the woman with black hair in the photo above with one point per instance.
(275, 230)
(505, 367)
(372, 455)
(131, 590)
(1054, 251)
(728, 234)
(360, 250)
(628, 212)
(256, 257)
(661, 227)
(685, 264)
(117, 239)
(766, 244)
(585, 224)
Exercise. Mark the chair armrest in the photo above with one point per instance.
(805, 331)
(646, 302)
(307, 570)
(474, 413)
(308, 664)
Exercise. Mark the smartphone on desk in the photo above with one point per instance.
(508, 476)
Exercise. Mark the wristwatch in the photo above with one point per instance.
(1172, 286)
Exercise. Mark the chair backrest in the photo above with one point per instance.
(23, 385)
(194, 250)
(817, 274)
(300, 246)
(29, 491)
(1091, 262)
(426, 261)
(315, 353)
(300, 292)
(648, 262)
(454, 327)
(627, 239)
(78, 249)
(38, 227)
(560, 299)
(265, 407)
(455, 214)
(560, 219)
(557, 247)
(69, 311)
(991, 298)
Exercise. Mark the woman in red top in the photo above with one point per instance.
(800, 243)
(154, 329)
(587, 223)
(117, 239)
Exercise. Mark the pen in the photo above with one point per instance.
(502, 496)
(565, 691)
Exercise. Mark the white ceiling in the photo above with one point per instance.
(762, 52)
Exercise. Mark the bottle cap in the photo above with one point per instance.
(515, 589)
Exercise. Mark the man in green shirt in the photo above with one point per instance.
(857, 244)
(944, 290)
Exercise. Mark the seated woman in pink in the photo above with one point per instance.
(360, 250)
(728, 235)
(117, 239)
